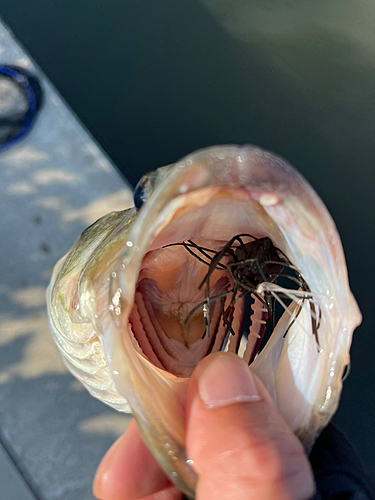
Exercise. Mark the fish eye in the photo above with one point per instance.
(140, 195)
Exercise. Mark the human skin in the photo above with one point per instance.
(240, 446)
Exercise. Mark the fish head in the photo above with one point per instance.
(126, 305)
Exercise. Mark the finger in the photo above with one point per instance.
(241, 447)
(129, 472)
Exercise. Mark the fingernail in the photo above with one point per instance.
(225, 381)
(102, 469)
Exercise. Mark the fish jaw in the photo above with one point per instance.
(212, 195)
(312, 239)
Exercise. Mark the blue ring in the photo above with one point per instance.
(29, 118)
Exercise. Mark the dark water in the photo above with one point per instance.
(155, 80)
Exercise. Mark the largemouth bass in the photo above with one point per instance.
(131, 316)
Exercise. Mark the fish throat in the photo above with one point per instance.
(203, 295)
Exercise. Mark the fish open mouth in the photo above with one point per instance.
(189, 298)
(225, 238)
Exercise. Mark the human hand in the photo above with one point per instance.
(241, 447)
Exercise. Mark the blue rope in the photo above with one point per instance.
(32, 92)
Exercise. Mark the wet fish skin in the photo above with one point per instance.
(92, 291)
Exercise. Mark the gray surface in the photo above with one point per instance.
(54, 184)
(13, 486)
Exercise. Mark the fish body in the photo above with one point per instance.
(119, 299)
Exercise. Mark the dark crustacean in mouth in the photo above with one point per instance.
(245, 267)
(249, 265)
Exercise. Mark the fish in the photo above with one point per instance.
(119, 301)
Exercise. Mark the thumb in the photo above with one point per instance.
(239, 445)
